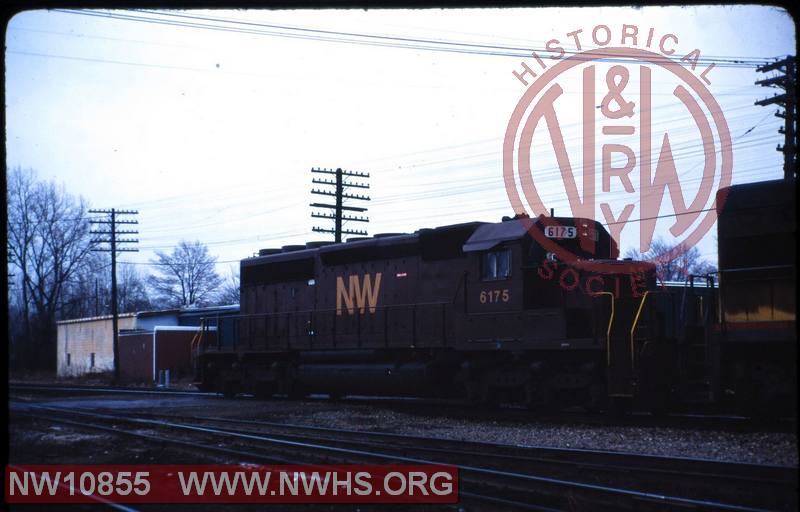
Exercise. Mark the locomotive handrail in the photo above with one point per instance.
(634, 324)
(294, 321)
(198, 336)
(610, 325)
(333, 310)
(744, 269)
(202, 328)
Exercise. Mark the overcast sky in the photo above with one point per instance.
(211, 132)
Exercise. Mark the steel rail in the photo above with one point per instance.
(646, 459)
(509, 412)
(583, 457)
(505, 475)
(105, 389)
(269, 459)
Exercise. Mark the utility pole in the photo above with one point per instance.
(339, 184)
(111, 239)
(786, 79)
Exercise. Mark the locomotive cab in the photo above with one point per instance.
(518, 264)
(583, 326)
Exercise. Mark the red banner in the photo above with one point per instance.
(230, 484)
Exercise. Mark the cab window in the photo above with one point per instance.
(496, 265)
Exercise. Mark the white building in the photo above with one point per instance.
(86, 345)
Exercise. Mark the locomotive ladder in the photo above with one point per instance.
(695, 318)
(626, 335)
(618, 356)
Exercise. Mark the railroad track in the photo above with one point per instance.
(458, 410)
(506, 476)
(50, 389)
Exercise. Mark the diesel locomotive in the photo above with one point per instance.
(493, 312)
(754, 334)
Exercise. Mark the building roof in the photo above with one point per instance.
(157, 312)
(94, 318)
(209, 309)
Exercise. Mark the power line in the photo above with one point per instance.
(80, 35)
(462, 158)
(633, 220)
(380, 40)
(158, 264)
(129, 63)
(478, 185)
(403, 39)
(287, 233)
(175, 45)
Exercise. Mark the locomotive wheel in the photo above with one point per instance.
(289, 385)
(536, 395)
(659, 405)
(658, 410)
(230, 388)
(296, 392)
(476, 391)
(619, 406)
(265, 390)
(596, 399)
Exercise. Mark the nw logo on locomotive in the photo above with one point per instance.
(360, 289)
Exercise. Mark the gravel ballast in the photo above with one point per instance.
(776, 448)
(751, 444)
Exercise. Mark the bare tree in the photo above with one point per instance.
(48, 242)
(673, 262)
(187, 275)
(88, 293)
(229, 291)
(21, 228)
(16, 325)
(132, 290)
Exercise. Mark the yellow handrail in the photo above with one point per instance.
(634, 324)
(610, 324)
(198, 336)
